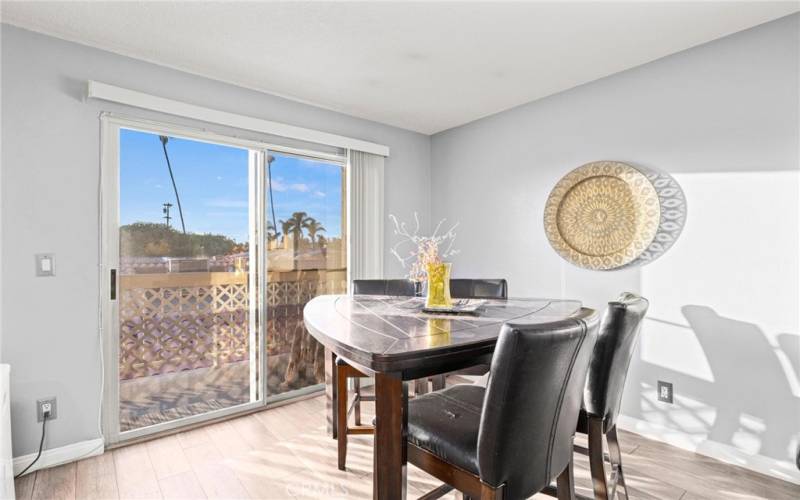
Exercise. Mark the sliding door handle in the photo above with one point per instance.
(113, 284)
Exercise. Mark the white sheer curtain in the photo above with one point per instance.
(366, 215)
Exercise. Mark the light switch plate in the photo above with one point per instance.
(45, 264)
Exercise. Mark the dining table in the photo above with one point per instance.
(394, 340)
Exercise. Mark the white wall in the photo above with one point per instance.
(724, 325)
(50, 166)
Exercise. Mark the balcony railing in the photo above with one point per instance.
(171, 322)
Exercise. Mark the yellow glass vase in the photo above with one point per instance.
(438, 332)
(439, 285)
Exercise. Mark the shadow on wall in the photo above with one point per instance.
(759, 397)
(790, 344)
(750, 404)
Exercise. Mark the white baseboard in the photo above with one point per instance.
(780, 469)
(61, 455)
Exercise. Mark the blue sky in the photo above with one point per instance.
(212, 182)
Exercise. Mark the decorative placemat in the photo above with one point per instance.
(459, 306)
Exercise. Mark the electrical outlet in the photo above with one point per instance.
(665, 392)
(45, 264)
(46, 405)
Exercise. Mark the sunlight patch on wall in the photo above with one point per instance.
(691, 419)
(726, 296)
(724, 321)
(748, 436)
(739, 253)
(675, 347)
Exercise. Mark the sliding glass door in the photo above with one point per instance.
(306, 257)
(187, 317)
(212, 248)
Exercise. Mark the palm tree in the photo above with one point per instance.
(295, 225)
(271, 231)
(313, 227)
(285, 226)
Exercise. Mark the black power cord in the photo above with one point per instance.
(41, 445)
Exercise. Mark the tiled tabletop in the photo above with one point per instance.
(381, 327)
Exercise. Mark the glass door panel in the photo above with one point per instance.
(306, 257)
(187, 339)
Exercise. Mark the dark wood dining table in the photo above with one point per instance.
(392, 339)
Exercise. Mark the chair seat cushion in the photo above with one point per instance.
(446, 424)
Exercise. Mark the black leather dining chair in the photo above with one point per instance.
(605, 381)
(461, 288)
(342, 408)
(510, 439)
(478, 288)
(398, 288)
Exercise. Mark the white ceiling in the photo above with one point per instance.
(421, 66)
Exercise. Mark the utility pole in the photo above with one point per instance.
(165, 210)
(164, 139)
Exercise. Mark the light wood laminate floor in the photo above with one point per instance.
(285, 453)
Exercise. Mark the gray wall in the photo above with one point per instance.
(50, 166)
(723, 118)
(723, 326)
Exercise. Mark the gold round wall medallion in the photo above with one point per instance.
(602, 215)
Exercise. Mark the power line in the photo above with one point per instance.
(270, 159)
(164, 140)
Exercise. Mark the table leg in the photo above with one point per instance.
(391, 410)
(331, 392)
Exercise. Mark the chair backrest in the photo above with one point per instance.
(616, 341)
(478, 289)
(403, 288)
(532, 402)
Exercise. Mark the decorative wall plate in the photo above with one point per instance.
(673, 216)
(602, 215)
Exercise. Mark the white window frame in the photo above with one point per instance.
(110, 126)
